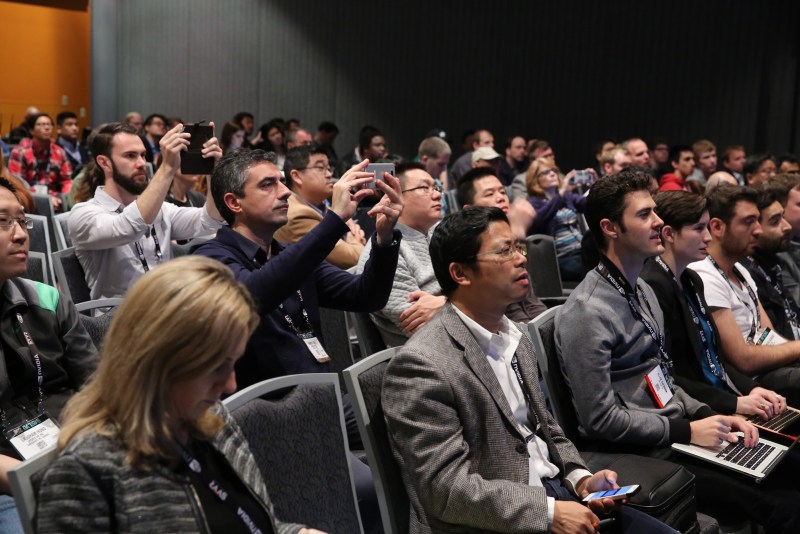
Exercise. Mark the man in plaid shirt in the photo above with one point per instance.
(40, 162)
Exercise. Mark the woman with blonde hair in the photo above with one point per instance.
(557, 207)
(144, 443)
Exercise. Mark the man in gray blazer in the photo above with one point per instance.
(467, 422)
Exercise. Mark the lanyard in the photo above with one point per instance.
(521, 380)
(610, 272)
(219, 491)
(755, 317)
(777, 285)
(140, 250)
(37, 360)
(300, 333)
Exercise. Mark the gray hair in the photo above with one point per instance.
(230, 174)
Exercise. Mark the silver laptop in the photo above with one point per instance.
(757, 462)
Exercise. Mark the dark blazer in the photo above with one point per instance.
(683, 344)
(464, 461)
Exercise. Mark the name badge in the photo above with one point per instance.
(33, 436)
(315, 347)
(40, 189)
(768, 337)
(658, 386)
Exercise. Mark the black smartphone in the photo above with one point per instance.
(192, 160)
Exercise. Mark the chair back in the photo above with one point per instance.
(70, 275)
(61, 226)
(543, 266)
(23, 488)
(451, 201)
(37, 267)
(336, 339)
(369, 337)
(97, 325)
(364, 383)
(39, 240)
(296, 431)
(542, 334)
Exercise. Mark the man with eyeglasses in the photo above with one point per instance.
(467, 422)
(46, 353)
(310, 177)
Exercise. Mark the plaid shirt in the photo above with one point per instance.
(56, 173)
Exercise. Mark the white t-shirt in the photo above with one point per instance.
(721, 294)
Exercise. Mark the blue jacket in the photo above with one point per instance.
(274, 349)
(546, 209)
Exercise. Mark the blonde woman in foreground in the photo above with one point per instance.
(147, 438)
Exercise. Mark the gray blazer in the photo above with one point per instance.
(463, 459)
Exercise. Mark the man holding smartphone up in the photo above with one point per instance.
(124, 229)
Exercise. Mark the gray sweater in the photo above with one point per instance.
(605, 353)
(90, 488)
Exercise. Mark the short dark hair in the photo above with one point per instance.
(465, 193)
(366, 136)
(780, 185)
(680, 208)
(457, 239)
(676, 151)
(722, 200)
(242, 115)
(328, 127)
(785, 157)
(607, 200)
(401, 169)
(297, 159)
(64, 115)
(510, 141)
(152, 116)
(230, 175)
(31, 122)
(754, 161)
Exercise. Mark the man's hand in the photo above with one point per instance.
(211, 148)
(420, 312)
(56, 203)
(520, 217)
(173, 142)
(356, 234)
(6, 463)
(712, 431)
(570, 517)
(388, 210)
(344, 201)
(602, 480)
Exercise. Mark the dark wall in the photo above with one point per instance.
(569, 72)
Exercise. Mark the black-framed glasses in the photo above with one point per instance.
(507, 252)
(24, 222)
(321, 168)
(428, 189)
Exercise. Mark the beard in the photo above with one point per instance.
(127, 182)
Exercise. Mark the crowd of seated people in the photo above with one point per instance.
(699, 283)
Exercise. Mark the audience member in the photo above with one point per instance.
(690, 335)
(599, 148)
(745, 331)
(292, 124)
(232, 137)
(788, 164)
(539, 148)
(125, 228)
(309, 176)
(142, 440)
(758, 168)
(485, 157)
(69, 140)
(516, 160)
(24, 130)
(40, 162)
(325, 136)
(272, 135)
(246, 120)
(788, 192)
(681, 157)
(608, 377)
(659, 157)
(720, 177)
(763, 266)
(557, 207)
(705, 157)
(182, 191)
(134, 119)
(21, 187)
(467, 422)
(638, 152)
(434, 154)
(733, 161)
(47, 354)
(155, 127)
(371, 146)
(614, 160)
(298, 137)
(463, 164)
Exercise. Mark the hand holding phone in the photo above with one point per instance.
(192, 161)
(378, 169)
(613, 494)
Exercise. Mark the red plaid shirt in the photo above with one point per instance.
(55, 172)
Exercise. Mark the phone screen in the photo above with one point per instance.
(624, 490)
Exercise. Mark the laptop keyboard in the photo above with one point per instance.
(736, 453)
(776, 424)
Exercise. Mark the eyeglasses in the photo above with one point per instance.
(507, 252)
(24, 222)
(428, 189)
(322, 168)
(548, 171)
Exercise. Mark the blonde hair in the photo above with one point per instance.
(532, 176)
(177, 323)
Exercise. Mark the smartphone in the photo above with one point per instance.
(378, 169)
(613, 494)
(581, 178)
(192, 160)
